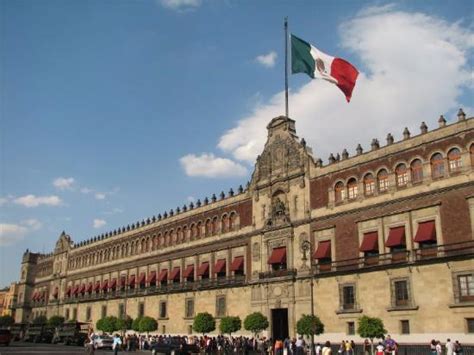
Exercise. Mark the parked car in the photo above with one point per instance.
(174, 345)
(5, 337)
(103, 342)
(72, 333)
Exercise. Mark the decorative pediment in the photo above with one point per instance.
(63, 244)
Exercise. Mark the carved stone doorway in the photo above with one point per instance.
(279, 323)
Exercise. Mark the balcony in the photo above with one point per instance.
(277, 273)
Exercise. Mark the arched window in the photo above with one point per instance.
(198, 229)
(180, 235)
(233, 221)
(369, 184)
(193, 231)
(437, 166)
(454, 159)
(382, 178)
(215, 226)
(225, 223)
(185, 233)
(352, 188)
(402, 175)
(416, 171)
(339, 192)
(471, 152)
(208, 229)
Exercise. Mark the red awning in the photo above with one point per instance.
(203, 269)
(151, 277)
(82, 289)
(396, 237)
(35, 294)
(174, 275)
(76, 290)
(131, 280)
(163, 275)
(56, 292)
(97, 286)
(237, 264)
(278, 256)
(113, 283)
(323, 251)
(68, 291)
(220, 266)
(370, 242)
(189, 271)
(105, 285)
(142, 278)
(43, 295)
(123, 281)
(426, 232)
(89, 287)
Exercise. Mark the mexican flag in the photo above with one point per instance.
(305, 58)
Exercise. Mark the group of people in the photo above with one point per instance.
(244, 345)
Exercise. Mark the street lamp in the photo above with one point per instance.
(306, 246)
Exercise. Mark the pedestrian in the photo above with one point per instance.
(380, 349)
(116, 344)
(458, 350)
(366, 347)
(278, 347)
(439, 348)
(327, 348)
(300, 346)
(318, 349)
(90, 348)
(433, 347)
(449, 347)
(347, 348)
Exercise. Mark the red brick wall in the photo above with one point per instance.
(455, 217)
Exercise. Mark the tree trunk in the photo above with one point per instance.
(372, 346)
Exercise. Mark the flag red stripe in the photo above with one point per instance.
(346, 76)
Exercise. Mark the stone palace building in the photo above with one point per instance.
(391, 233)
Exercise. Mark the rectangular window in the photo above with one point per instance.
(190, 329)
(348, 298)
(74, 314)
(189, 308)
(88, 314)
(66, 315)
(470, 325)
(466, 288)
(163, 329)
(141, 309)
(401, 293)
(103, 312)
(162, 309)
(220, 306)
(121, 311)
(350, 328)
(383, 184)
(405, 326)
(402, 179)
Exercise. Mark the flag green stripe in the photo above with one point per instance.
(301, 59)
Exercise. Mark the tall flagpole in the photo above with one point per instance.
(286, 66)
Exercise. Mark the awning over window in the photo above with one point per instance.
(220, 266)
(151, 277)
(82, 289)
(163, 275)
(56, 292)
(113, 283)
(323, 251)
(123, 281)
(396, 237)
(141, 279)
(203, 269)
(75, 290)
(68, 291)
(237, 264)
(89, 287)
(35, 294)
(426, 232)
(97, 286)
(105, 284)
(370, 242)
(174, 275)
(131, 280)
(189, 271)
(278, 256)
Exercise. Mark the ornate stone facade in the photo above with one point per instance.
(391, 233)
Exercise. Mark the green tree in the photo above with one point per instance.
(124, 323)
(6, 321)
(107, 324)
(371, 328)
(56, 321)
(40, 320)
(255, 323)
(309, 325)
(136, 324)
(229, 325)
(147, 324)
(204, 323)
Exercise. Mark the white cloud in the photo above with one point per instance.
(191, 199)
(115, 210)
(64, 183)
(85, 190)
(416, 67)
(208, 165)
(11, 233)
(181, 5)
(32, 224)
(99, 196)
(99, 223)
(267, 60)
(35, 201)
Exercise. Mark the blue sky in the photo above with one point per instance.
(114, 111)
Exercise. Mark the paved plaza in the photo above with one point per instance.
(46, 349)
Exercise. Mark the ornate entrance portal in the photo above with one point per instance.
(279, 323)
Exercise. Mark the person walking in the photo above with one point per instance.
(116, 344)
(327, 349)
(449, 347)
(90, 348)
(366, 347)
(439, 349)
(433, 347)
